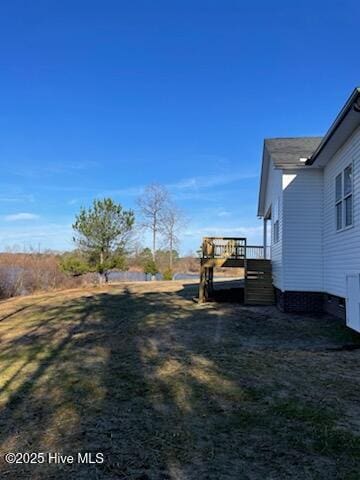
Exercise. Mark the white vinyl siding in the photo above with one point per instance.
(273, 201)
(302, 233)
(342, 247)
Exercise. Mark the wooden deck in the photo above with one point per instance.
(234, 252)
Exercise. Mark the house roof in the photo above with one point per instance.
(344, 124)
(286, 152)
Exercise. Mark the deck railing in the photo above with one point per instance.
(257, 251)
(232, 248)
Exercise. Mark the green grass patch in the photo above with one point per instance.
(305, 412)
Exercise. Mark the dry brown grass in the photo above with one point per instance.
(167, 389)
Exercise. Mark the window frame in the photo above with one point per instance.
(342, 199)
(348, 195)
(276, 224)
(276, 232)
(338, 202)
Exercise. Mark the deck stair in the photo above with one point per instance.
(258, 283)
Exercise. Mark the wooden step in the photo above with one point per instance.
(264, 286)
(259, 292)
(264, 291)
(259, 278)
(258, 260)
(259, 281)
(252, 273)
(259, 302)
(257, 284)
(267, 275)
(259, 268)
(255, 264)
(252, 298)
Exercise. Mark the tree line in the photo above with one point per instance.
(105, 234)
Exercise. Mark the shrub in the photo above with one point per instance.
(150, 267)
(73, 264)
(168, 274)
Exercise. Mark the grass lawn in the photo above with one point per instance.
(170, 390)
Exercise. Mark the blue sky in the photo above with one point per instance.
(102, 98)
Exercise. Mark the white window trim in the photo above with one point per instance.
(343, 198)
(339, 201)
(276, 238)
(276, 222)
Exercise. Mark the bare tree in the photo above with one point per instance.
(172, 220)
(152, 204)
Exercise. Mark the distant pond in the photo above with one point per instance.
(12, 273)
(143, 277)
(131, 276)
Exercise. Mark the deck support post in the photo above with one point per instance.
(210, 281)
(202, 296)
(206, 286)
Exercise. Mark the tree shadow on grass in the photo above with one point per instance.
(154, 383)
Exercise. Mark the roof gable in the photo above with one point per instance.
(347, 121)
(284, 153)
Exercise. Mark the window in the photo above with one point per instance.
(339, 216)
(276, 235)
(339, 187)
(338, 201)
(348, 180)
(343, 198)
(276, 231)
(348, 205)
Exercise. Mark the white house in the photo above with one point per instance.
(310, 201)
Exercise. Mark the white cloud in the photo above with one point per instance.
(47, 235)
(227, 230)
(124, 192)
(186, 188)
(252, 233)
(21, 216)
(14, 197)
(207, 181)
(223, 213)
(53, 168)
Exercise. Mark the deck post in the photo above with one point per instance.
(211, 281)
(202, 296)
